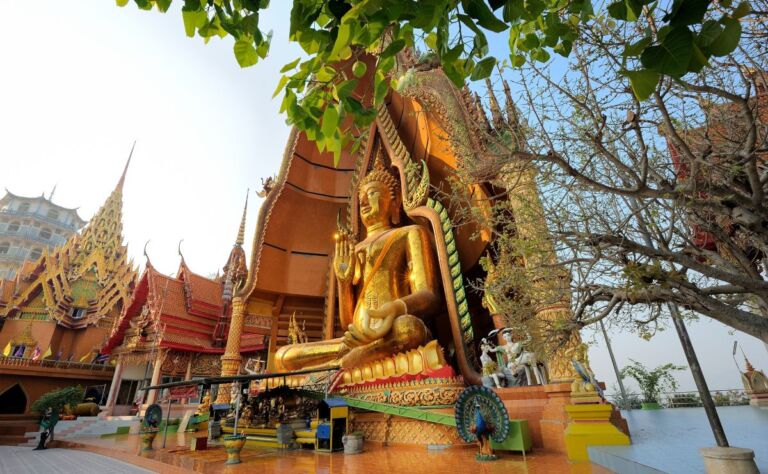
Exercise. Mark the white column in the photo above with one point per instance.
(152, 395)
(114, 388)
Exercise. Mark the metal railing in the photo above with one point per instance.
(727, 397)
(22, 362)
(31, 233)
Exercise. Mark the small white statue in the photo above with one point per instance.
(490, 367)
(517, 358)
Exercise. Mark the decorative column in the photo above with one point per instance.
(114, 387)
(549, 289)
(187, 377)
(152, 395)
(231, 360)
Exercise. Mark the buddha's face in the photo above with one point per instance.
(375, 204)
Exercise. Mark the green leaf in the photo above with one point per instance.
(727, 41)
(431, 41)
(541, 55)
(359, 68)
(393, 48)
(343, 38)
(698, 60)
(245, 53)
(163, 5)
(344, 89)
(280, 86)
(627, 10)
(710, 30)
(330, 121)
(483, 68)
(478, 10)
(643, 82)
(290, 65)
(742, 10)
(635, 49)
(517, 60)
(193, 19)
(672, 56)
(687, 12)
(121, 3)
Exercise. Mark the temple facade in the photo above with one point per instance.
(369, 253)
(175, 328)
(30, 225)
(58, 310)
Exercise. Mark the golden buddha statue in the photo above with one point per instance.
(387, 285)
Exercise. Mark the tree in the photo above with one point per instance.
(649, 202)
(649, 148)
(652, 382)
(58, 399)
(319, 94)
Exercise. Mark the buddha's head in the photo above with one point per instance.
(378, 195)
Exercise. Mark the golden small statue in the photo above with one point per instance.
(205, 405)
(387, 285)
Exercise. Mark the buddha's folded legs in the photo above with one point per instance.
(408, 332)
(308, 355)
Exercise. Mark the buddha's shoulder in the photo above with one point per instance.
(412, 229)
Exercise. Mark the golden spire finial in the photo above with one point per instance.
(125, 170)
(241, 231)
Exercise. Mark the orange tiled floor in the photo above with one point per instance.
(390, 460)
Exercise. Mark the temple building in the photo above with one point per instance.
(57, 311)
(175, 328)
(30, 225)
(367, 254)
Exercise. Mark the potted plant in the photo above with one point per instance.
(652, 382)
(234, 444)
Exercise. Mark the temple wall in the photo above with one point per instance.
(42, 332)
(36, 386)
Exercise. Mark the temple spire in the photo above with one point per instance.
(241, 231)
(125, 170)
(498, 118)
(50, 196)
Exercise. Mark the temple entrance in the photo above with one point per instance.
(13, 401)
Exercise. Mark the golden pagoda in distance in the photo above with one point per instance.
(58, 310)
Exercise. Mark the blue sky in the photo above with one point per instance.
(82, 80)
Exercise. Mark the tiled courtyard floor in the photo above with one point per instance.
(23, 460)
(176, 458)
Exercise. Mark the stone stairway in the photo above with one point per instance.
(83, 426)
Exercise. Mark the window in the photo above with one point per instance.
(24, 207)
(35, 254)
(14, 226)
(78, 313)
(53, 214)
(45, 234)
(4, 248)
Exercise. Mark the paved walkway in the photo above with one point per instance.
(668, 440)
(23, 460)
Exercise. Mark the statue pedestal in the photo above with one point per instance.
(545, 408)
(590, 425)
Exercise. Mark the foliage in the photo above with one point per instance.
(319, 91)
(652, 382)
(689, 399)
(58, 399)
(631, 402)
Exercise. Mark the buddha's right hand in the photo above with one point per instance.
(343, 258)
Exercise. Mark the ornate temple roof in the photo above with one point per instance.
(176, 313)
(80, 283)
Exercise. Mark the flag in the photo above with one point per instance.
(47, 353)
(7, 350)
(100, 358)
(87, 357)
(36, 353)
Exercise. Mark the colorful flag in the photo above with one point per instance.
(87, 357)
(19, 352)
(36, 352)
(47, 353)
(7, 350)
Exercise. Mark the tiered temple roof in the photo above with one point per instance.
(82, 283)
(187, 312)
